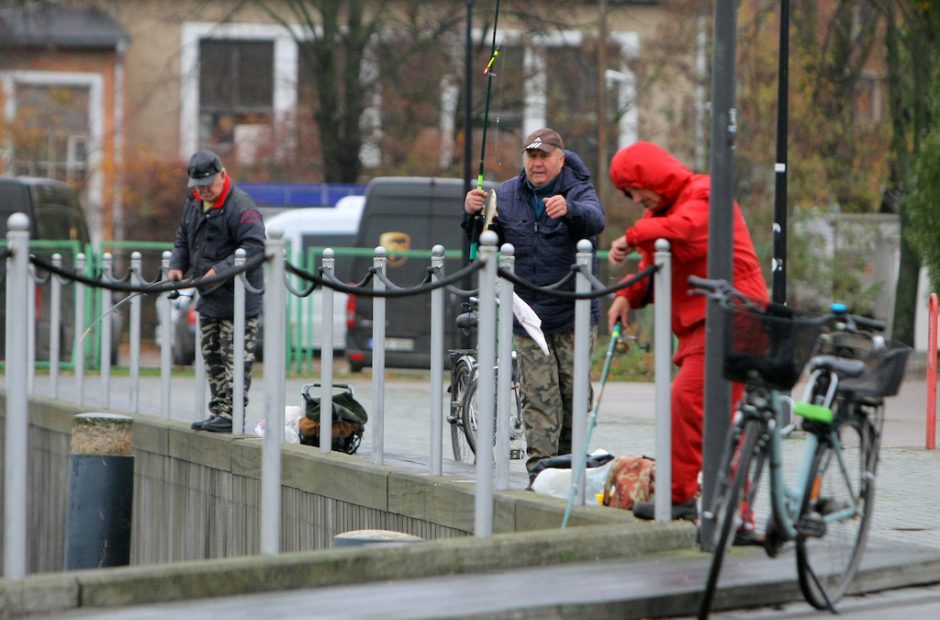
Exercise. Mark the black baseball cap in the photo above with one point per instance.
(204, 166)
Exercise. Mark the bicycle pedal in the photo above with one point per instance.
(516, 454)
(452, 419)
(811, 526)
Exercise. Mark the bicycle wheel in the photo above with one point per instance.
(462, 376)
(836, 513)
(738, 480)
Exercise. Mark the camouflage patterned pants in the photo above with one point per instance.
(218, 339)
(547, 394)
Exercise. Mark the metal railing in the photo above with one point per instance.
(496, 281)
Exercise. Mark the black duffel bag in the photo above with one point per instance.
(349, 418)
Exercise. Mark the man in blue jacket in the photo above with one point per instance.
(544, 212)
(219, 218)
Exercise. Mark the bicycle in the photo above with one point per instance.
(827, 510)
(462, 413)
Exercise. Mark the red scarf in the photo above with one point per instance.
(226, 188)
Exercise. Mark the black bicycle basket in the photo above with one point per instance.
(884, 371)
(767, 343)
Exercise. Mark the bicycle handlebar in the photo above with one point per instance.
(721, 291)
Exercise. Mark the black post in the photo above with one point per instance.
(720, 258)
(101, 492)
(467, 284)
(779, 293)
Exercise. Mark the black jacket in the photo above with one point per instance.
(207, 240)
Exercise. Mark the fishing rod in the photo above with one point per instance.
(488, 72)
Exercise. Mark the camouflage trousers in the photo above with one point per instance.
(218, 352)
(547, 394)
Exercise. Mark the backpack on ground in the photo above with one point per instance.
(631, 479)
(349, 418)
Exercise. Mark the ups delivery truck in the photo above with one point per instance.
(409, 215)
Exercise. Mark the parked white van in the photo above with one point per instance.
(307, 231)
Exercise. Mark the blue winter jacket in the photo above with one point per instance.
(545, 249)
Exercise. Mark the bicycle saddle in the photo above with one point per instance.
(839, 365)
(467, 320)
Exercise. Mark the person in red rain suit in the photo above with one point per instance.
(676, 209)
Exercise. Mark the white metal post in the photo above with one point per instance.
(134, 348)
(486, 390)
(166, 342)
(104, 352)
(580, 398)
(238, 348)
(78, 345)
(507, 261)
(328, 262)
(379, 262)
(16, 433)
(437, 362)
(274, 297)
(662, 334)
(55, 325)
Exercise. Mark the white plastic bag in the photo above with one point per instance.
(556, 482)
(292, 414)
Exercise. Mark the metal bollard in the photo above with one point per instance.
(78, 345)
(486, 390)
(104, 351)
(16, 432)
(55, 325)
(326, 355)
(662, 334)
(166, 334)
(274, 296)
(437, 362)
(238, 346)
(507, 261)
(134, 346)
(101, 492)
(581, 392)
(379, 263)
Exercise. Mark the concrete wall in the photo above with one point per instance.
(196, 495)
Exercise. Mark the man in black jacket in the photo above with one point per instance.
(219, 218)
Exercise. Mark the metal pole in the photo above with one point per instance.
(467, 144)
(134, 348)
(274, 295)
(437, 362)
(55, 325)
(379, 263)
(16, 433)
(507, 261)
(166, 334)
(78, 345)
(328, 261)
(779, 267)
(104, 353)
(30, 359)
(580, 397)
(721, 209)
(662, 336)
(486, 355)
(199, 364)
(238, 346)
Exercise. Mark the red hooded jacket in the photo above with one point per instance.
(681, 219)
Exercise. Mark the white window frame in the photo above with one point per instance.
(94, 82)
(284, 100)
